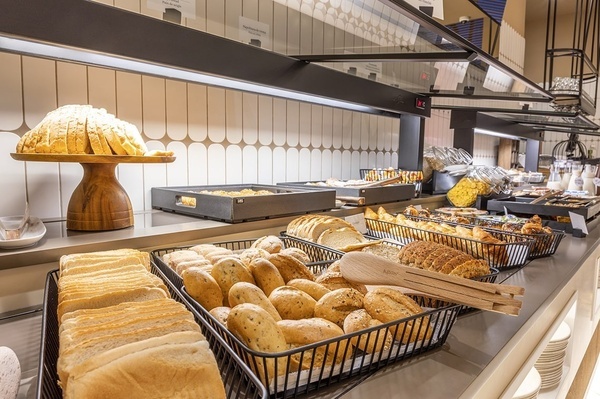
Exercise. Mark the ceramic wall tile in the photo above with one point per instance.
(39, 89)
(233, 116)
(11, 100)
(13, 177)
(304, 164)
(326, 165)
(250, 118)
(265, 120)
(153, 107)
(316, 126)
(233, 165)
(129, 98)
(291, 165)
(327, 128)
(177, 172)
(71, 83)
(279, 121)
(250, 164)
(305, 123)
(176, 110)
(292, 123)
(338, 128)
(131, 177)
(197, 112)
(198, 164)
(216, 164)
(215, 17)
(216, 114)
(279, 169)
(102, 89)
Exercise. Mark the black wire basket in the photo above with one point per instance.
(239, 381)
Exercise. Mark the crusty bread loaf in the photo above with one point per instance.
(173, 365)
(82, 129)
(340, 238)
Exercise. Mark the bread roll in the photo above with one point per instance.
(387, 304)
(221, 313)
(227, 272)
(315, 290)
(249, 254)
(297, 253)
(257, 329)
(243, 292)
(335, 280)
(336, 305)
(304, 332)
(272, 244)
(292, 303)
(290, 267)
(201, 286)
(373, 342)
(341, 238)
(266, 275)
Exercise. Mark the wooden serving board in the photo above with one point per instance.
(91, 158)
(365, 268)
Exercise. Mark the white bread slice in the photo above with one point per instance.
(125, 311)
(134, 137)
(339, 238)
(175, 365)
(89, 291)
(334, 223)
(74, 336)
(103, 272)
(69, 265)
(74, 355)
(104, 299)
(111, 135)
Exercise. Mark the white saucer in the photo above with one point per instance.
(530, 386)
(33, 233)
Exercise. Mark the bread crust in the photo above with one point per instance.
(336, 305)
(266, 275)
(227, 272)
(290, 267)
(292, 303)
(243, 292)
(312, 288)
(202, 286)
(373, 342)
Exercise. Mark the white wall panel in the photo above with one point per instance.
(130, 5)
(304, 164)
(198, 23)
(279, 165)
(347, 133)
(13, 177)
(233, 10)
(39, 89)
(250, 117)
(315, 165)
(11, 100)
(131, 177)
(293, 123)
(265, 120)
(279, 121)
(176, 110)
(197, 112)
(43, 189)
(279, 27)
(250, 9)
(338, 128)
(327, 133)
(265, 15)
(250, 165)
(155, 175)
(366, 140)
(346, 165)
(326, 165)
(215, 17)
(216, 164)
(291, 165)
(356, 131)
(233, 116)
(365, 161)
(198, 164)
(305, 123)
(233, 165)
(336, 164)
(216, 114)
(129, 98)
(375, 137)
(355, 165)
(177, 171)
(293, 31)
(71, 83)
(316, 129)
(102, 89)
(267, 170)
(153, 103)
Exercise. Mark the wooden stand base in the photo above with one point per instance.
(99, 202)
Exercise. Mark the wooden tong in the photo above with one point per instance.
(365, 268)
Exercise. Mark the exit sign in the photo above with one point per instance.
(421, 103)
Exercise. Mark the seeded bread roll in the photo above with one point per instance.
(373, 342)
(290, 267)
(314, 289)
(292, 303)
(336, 305)
(201, 286)
(271, 244)
(387, 304)
(221, 313)
(243, 292)
(335, 280)
(227, 272)
(266, 275)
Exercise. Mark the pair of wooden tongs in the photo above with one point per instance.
(369, 269)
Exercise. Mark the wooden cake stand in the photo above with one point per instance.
(99, 202)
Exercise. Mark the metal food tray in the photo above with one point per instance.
(239, 381)
(363, 195)
(285, 381)
(522, 205)
(545, 244)
(514, 252)
(189, 200)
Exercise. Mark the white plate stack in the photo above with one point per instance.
(530, 387)
(550, 362)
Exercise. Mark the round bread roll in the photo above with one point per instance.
(303, 332)
(315, 290)
(221, 313)
(255, 327)
(387, 304)
(244, 292)
(266, 275)
(203, 249)
(227, 272)
(202, 287)
(372, 342)
(191, 263)
(290, 267)
(297, 253)
(334, 267)
(336, 305)
(176, 257)
(335, 280)
(292, 303)
(220, 253)
(249, 254)
(10, 373)
(271, 244)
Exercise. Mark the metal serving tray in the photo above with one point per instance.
(363, 195)
(190, 200)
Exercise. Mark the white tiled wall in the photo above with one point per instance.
(218, 135)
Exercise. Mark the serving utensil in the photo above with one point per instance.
(365, 268)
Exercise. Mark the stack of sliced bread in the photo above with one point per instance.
(121, 335)
(326, 230)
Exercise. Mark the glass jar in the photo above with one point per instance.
(476, 182)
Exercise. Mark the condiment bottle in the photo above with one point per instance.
(588, 176)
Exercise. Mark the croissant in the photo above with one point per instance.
(532, 228)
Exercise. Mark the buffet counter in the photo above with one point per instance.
(487, 355)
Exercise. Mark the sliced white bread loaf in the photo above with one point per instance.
(339, 238)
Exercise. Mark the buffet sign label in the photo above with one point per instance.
(187, 8)
(578, 222)
(358, 221)
(254, 32)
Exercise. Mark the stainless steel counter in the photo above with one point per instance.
(486, 355)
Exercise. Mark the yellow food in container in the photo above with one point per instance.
(465, 192)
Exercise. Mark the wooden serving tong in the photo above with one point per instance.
(365, 268)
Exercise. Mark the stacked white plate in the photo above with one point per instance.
(550, 362)
(530, 387)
